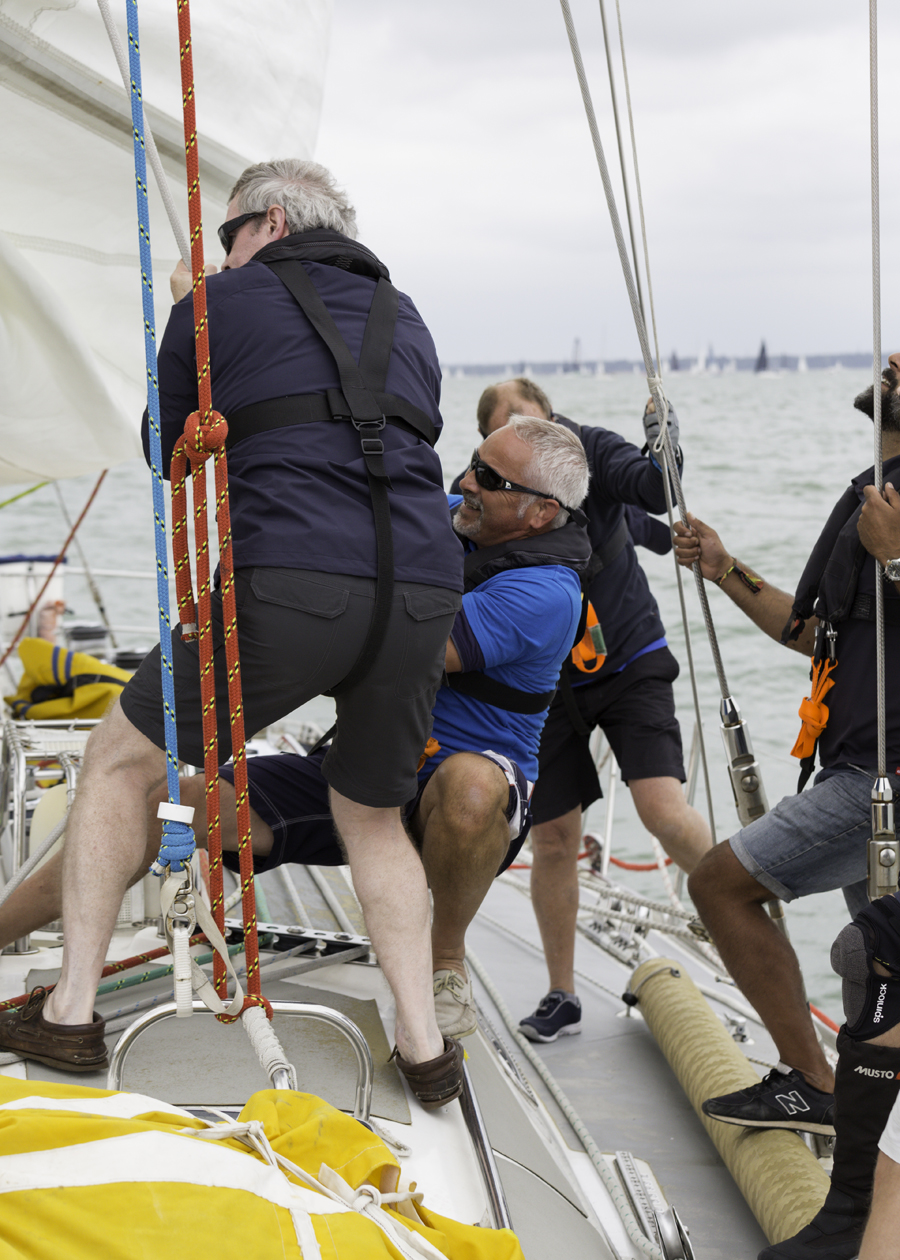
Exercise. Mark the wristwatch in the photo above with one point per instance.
(892, 570)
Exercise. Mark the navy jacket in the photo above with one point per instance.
(620, 475)
(299, 496)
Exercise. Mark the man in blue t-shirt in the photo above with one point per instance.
(470, 814)
(630, 698)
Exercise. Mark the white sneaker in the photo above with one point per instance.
(454, 1005)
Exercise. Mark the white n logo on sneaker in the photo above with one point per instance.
(792, 1102)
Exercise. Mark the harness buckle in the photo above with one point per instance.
(359, 425)
(372, 446)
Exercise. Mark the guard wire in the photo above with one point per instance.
(876, 373)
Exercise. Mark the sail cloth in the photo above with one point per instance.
(72, 376)
(96, 1173)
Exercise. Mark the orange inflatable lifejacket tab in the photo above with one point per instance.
(813, 712)
(589, 652)
(429, 750)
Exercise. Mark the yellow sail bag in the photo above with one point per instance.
(87, 1173)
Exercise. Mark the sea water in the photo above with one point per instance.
(766, 456)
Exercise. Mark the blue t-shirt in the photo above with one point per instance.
(524, 621)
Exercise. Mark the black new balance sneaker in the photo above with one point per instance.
(558, 1015)
(781, 1100)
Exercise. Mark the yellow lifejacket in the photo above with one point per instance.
(58, 683)
(86, 1173)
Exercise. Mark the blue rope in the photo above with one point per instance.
(177, 845)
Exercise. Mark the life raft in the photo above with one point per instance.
(60, 684)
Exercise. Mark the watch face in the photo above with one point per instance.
(892, 570)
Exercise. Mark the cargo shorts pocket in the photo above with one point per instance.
(429, 615)
(297, 618)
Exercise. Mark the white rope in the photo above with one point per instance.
(637, 180)
(165, 191)
(610, 1180)
(663, 446)
(27, 867)
(264, 1041)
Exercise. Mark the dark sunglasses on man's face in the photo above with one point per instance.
(489, 479)
(229, 230)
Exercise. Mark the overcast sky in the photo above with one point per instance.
(459, 131)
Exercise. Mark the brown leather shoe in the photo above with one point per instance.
(437, 1081)
(69, 1047)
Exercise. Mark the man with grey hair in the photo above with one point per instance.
(629, 697)
(330, 384)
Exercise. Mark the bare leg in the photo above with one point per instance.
(664, 811)
(554, 893)
(390, 881)
(760, 959)
(462, 830)
(105, 842)
(39, 899)
(881, 1237)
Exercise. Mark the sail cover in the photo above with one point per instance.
(72, 377)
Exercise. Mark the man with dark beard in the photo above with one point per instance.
(817, 840)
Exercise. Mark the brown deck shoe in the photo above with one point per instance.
(437, 1081)
(69, 1047)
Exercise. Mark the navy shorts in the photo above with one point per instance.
(636, 711)
(290, 793)
(300, 632)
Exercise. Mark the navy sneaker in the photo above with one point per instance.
(557, 1015)
(781, 1100)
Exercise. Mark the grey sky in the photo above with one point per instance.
(459, 131)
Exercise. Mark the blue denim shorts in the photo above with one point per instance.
(815, 841)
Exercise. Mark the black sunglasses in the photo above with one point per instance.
(489, 479)
(229, 230)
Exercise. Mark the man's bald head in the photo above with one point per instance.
(519, 396)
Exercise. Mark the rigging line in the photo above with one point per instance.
(89, 577)
(56, 563)
(689, 650)
(664, 442)
(637, 183)
(615, 108)
(150, 144)
(876, 373)
(23, 494)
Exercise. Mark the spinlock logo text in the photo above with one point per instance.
(879, 1005)
(879, 1073)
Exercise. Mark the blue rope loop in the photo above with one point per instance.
(176, 848)
(184, 846)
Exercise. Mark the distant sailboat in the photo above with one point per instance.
(673, 362)
(762, 359)
(574, 365)
(802, 365)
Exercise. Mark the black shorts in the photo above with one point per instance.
(636, 711)
(291, 795)
(300, 633)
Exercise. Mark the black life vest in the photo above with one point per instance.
(361, 399)
(828, 591)
(828, 584)
(568, 546)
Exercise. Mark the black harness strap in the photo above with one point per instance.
(479, 686)
(368, 418)
(294, 409)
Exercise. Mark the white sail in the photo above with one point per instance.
(72, 377)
